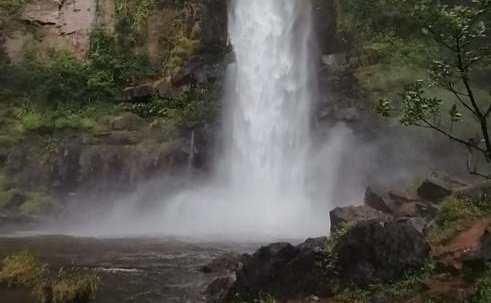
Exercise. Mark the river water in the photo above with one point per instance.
(140, 270)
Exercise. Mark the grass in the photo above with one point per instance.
(75, 287)
(390, 292)
(455, 215)
(483, 288)
(25, 270)
(93, 118)
(22, 270)
(38, 202)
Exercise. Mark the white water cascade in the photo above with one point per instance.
(259, 185)
(269, 99)
(258, 189)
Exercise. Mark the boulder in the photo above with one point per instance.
(376, 252)
(478, 191)
(283, 271)
(414, 210)
(349, 214)
(437, 187)
(218, 290)
(224, 264)
(434, 190)
(379, 199)
(475, 262)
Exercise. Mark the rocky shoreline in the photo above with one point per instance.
(383, 242)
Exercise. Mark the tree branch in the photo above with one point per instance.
(453, 138)
(457, 95)
(488, 112)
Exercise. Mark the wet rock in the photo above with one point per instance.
(343, 215)
(479, 191)
(418, 223)
(224, 264)
(373, 252)
(218, 290)
(128, 121)
(139, 92)
(283, 271)
(434, 190)
(334, 60)
(437, 187)
(379, 199)
(475, 262)
(414, 210)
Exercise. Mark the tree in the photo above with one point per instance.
(462, 33)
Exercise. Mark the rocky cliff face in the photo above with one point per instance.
(183, 43)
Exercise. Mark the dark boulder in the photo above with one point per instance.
(342, 215)
(379, 199)
(283, 271)
(218, 290)
(373, 252)
(224, 264)
(435, 188)
(475, 262)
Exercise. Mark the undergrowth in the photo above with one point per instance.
(455, 215)
(412, 283)
(25, 270)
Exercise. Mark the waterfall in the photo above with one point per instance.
(259, 185)
(269, 98)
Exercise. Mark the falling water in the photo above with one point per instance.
(269, 102)
(258, 189)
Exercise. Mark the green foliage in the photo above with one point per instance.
(390, 292)
(135, 12)
(363, 18)
(261, 299)
(455, 215)
(328, 262)
(9, 7)
(483, 288)
(22, 270)
(183, 49)
(113, 60)
(461, 32)
(25, 270)
(186, 111)
(38, 202)
(6, 197)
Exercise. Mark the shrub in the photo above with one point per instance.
(38, 202)
(483, 288)
(454, 216)
(22, 270)
(390, 292)
(75, 287)
(25, 270)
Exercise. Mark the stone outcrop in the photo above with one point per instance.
(62, 25)
(283, 271)
(354, 214)
(372, 252)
